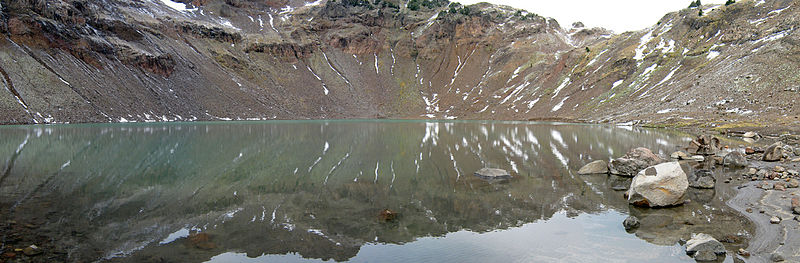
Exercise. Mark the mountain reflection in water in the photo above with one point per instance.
(284, 191)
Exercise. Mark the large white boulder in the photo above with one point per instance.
(660, 185)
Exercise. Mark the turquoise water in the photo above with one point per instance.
(314, 190)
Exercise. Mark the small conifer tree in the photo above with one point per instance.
(730, 2)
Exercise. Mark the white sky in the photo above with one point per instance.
(617, 15)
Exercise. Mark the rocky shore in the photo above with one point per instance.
(763, 170)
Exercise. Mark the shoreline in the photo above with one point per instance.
(768, 237)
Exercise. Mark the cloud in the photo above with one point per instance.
(617, 15)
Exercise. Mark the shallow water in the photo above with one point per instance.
(314, 190)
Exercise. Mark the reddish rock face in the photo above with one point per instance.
(357, 59)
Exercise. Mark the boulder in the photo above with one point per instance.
(704, 243)
(773, 153)
(734, 159)
(705, 255)
(492, 173)
(596, 167)
(660, 185)
(630, 223)
(750, 134)
(793, 183)
(705, 145)
(775, 220)
(634, 161)
(702, 179)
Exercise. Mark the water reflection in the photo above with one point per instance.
(143, 192)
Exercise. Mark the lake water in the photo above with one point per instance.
(289, 191)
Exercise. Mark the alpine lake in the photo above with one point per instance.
(357, 190)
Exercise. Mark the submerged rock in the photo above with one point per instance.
(734, 159)
(795, 205)
(630, 223)
(660, 185)
(703, 179)
(634, 161)
(773, 153)
(701, 244)
(596, 167)
(492, 173)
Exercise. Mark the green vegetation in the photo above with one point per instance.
(356, 3)
(430, 4)
(730, 2)
(700, 12)
(695, 4)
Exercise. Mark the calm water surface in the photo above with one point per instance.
(313, 190)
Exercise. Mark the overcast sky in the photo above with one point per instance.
(617, 15)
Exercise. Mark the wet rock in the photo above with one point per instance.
(743, 252)
(9, 255)
(387, 215)
(780, 186)
(749, 151)
(619, 183)
(492, 173)
(776, 257)
(32, 250)
(703, 179)
(795, 205)
(705, 145)
(704, 243)
(660, 185)
(773, 153)
(596, 167)
(734, 159)
(775, 220)
(631, 223)
(634, 161)
(705, 255)
(679, 155)
(752, 171)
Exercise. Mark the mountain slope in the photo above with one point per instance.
(158, 60)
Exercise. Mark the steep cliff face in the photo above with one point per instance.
(159, 60)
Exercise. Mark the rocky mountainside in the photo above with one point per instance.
(159, 60)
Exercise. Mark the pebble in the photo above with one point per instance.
(776, 257)
(32, 250)
(775, 220)
(743, 252)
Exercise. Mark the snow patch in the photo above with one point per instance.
(560, 104)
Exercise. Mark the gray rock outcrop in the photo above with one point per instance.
(596, 167)
(634, 161)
